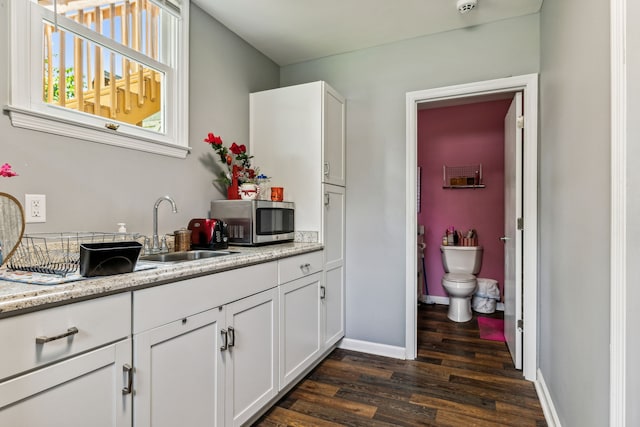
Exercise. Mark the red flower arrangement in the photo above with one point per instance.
(237, 162)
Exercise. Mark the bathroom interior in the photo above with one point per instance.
(452, 134)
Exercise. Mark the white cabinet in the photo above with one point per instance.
(300, 314)
(250, 355)
(297, 135)
(68, 366)
(205, 352)
(85, 390)
(334, 148)
(333, 295)
(179, 373)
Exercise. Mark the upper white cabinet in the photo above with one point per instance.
(334, 148)
(297, 135)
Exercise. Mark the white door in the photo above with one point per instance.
(512, 236)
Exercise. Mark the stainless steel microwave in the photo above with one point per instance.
(255, 222)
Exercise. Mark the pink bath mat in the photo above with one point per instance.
(491, 329)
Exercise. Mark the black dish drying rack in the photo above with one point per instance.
(58, 253)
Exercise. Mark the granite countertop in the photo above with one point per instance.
(16, 297)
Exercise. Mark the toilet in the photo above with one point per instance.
(461, 264)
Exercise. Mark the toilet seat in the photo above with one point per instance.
(459, 277)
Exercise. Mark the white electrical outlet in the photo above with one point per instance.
(35, 206)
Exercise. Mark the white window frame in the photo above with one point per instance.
(27, 109)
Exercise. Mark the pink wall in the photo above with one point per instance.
(458, 136)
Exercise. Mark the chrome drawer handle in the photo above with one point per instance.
(128, 370)
(323, 292)
(71, 331)
(232, 336)
(225, 340)
(305, 268)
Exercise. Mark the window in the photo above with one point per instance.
(110, 71)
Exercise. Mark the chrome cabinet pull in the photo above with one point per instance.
(225, 340)
(326, 199)
(128, 370)
(71, 331)
(232, 336)
(323, 292)
(327, 168)
(305, 268)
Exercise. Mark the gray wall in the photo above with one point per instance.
(375, 82)
(93, 186)
(574, 209)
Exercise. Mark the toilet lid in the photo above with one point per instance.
(459, 277)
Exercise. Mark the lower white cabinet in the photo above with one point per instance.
(333, 309)
(83, 391)
(251, 355)
(68, 366)
(216, 367)
(300, 326)
(208, 351)
(179, 373)
(334, 264)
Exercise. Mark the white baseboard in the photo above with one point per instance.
(373, 348)
(433, 299)
(548, 408)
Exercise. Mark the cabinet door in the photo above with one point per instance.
(333, 306)
(334, 262)
(179, 374)
(300, 318)
(83, 391)
(334, 225)
(252, 357)
(334, 137)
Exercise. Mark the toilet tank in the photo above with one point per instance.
(461, 259)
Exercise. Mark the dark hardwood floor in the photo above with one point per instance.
(457, 380)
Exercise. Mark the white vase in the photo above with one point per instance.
(248, 191)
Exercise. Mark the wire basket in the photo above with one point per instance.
(462, 176)
(58, 253)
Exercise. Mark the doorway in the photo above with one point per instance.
(528, 85)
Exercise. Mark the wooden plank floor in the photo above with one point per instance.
(457, 380)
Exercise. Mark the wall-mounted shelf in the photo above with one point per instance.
(469, 176)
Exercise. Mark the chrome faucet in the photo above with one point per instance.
(155, 248)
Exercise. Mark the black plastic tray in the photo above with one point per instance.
(109, 258)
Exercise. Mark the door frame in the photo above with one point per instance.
(528, 84)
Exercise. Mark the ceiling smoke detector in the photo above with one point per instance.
(465, 6)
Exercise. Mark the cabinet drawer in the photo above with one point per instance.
(153, 307)
(98, 322)
(299, 266)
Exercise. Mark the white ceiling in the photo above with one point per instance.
(291, 31)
